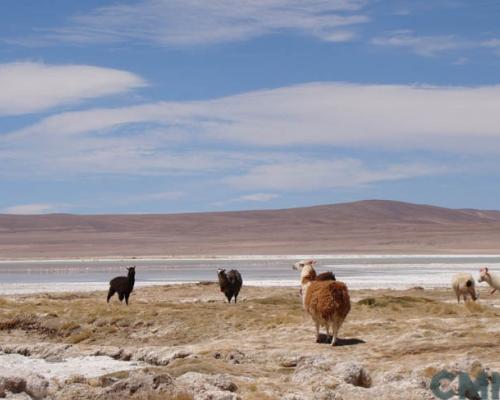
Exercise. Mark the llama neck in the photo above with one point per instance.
(306, 277)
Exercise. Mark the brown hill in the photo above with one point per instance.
(372, 226)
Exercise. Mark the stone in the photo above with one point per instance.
(208, 387)
(37, 386)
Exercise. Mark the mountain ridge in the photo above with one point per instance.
(362, 226)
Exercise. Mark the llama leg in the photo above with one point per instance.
(126, 298)
(121, 296)
(318, 338)
(458, 298)
(335, 331)
(110, 294)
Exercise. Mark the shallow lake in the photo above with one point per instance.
(359, 272)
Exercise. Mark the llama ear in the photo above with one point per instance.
(486, 269)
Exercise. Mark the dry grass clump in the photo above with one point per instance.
(4, 301)
(28, 323)
(88, 319)
(80, 336)
(474, 307)
(402, 301)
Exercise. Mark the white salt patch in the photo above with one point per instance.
(89, 367)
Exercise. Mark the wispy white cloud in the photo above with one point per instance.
(493, 44)
(259, 197)
(461, 61)
(340, 36)
(30, 87)
(194, 22)
(272, 128)
(249, 198)
(148, 197)
(34, 208)
(306, 175)
(428, 46)
(340, 114)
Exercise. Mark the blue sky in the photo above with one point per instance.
(180, 105)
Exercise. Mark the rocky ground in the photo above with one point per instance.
(182, 342)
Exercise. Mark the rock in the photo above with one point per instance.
(48, 351)
(76, 378)
(142, 381)
(208, 387)
(327, 395)
(235, 356)
(215, 395)
(158, 356)
(325, 378)
(19, 396)
(293, 396)
(224, 383)
(13, 384)
(117, 353)
(355, 374)
(289, 361)
(34, 385)
(37, 386)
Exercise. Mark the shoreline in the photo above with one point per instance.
(346, 256)
(27, 289)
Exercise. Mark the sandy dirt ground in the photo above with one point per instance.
(199, 347)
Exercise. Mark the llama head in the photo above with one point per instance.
(306, 268)
(131, 271)
(483, 274)
(299, 265)
(471, 289)
(221, 274)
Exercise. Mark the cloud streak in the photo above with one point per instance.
(192, 22)
(427, 46)
(274, 130)
(308, 175)
(32, 87)
(30, 209)
(337, 114)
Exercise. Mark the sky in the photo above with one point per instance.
(162, 106)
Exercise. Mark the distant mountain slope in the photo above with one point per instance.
(375, 226)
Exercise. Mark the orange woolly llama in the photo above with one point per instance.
(327, 302)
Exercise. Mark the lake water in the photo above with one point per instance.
(359, 272)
